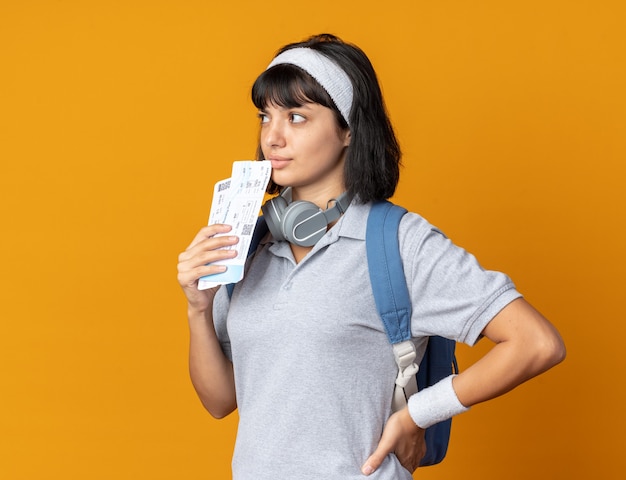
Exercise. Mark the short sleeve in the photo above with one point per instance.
(452, 295)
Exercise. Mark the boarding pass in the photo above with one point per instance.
(236, 202)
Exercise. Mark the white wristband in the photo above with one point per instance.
(435, 404)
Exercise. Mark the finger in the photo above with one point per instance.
(383, 449)
(197, 257)
(190, 278)
(208, 232)
(203, 264)
(204, 246)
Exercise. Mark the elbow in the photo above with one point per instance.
(218, 411)
(219, 414)
(561, 352)
(550, 351)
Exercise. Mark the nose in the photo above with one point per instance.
(273, 134)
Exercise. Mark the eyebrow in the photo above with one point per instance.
(306, 106)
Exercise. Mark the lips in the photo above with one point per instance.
(279, 162)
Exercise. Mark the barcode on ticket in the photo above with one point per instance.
(247, 229)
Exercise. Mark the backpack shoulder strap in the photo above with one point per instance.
(391, 293)
(260, 230)
(394, 305)
(386, 271)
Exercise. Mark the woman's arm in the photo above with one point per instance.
(526, 344)
(210, 370)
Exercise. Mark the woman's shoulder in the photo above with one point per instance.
(420, 240)
(416, 227)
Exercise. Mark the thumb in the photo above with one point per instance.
(376, 459)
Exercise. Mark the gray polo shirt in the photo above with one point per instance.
(314, 371)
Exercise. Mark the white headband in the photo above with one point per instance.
(327, 73)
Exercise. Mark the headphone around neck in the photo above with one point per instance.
(301, 223)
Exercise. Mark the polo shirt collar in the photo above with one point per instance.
(352, 224)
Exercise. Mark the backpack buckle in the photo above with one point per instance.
(405, 354)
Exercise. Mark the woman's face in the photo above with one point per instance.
(305, 145)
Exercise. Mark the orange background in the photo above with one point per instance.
(116, 119)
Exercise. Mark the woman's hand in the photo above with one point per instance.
(402, 437)
(211, 372)
(202, 257)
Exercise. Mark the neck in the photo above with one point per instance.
(322, 197)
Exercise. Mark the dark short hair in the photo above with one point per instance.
(372, 166)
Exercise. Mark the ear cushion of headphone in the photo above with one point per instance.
(273, 212)
(304, 224)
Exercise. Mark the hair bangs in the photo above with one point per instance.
(288, 86)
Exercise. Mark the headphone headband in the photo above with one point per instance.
(301, 223)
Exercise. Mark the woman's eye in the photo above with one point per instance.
(263, 117)
(297, 118)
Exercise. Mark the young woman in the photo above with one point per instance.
(299, 348)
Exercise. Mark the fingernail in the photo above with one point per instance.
(368, 470)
